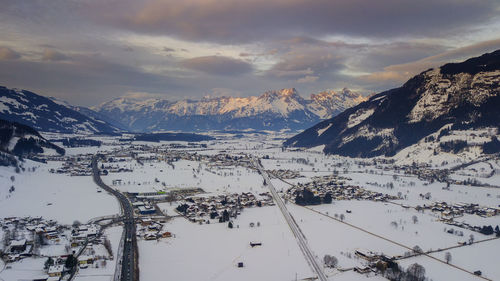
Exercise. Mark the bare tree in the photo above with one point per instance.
(447, 257)
(414, 219)
(342, 217)
(330, 261)
(416, 272)
(417, 249)
(76, 223)
(107, 245)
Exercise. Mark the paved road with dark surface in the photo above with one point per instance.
(129, 271)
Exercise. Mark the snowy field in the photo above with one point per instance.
(212, 251)
(52, 196)
(185, 174)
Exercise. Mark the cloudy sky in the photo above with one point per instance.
(91, 51)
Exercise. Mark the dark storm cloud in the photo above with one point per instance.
(307, 60)
(217, 65)
(396, 74)
(244, 46)
(231, 21)
(86, 80)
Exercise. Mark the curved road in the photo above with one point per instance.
(129, 263)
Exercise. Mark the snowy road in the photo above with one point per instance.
(301, 239)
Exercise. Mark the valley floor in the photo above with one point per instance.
(178, 245)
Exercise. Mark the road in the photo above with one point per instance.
(129, 271)
(299, 236)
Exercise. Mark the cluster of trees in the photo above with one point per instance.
(414, 272)
(157, 137)
(488, 230)
(492, 146)
(71, 262)
(224, 217)
(453, 146)
(48, 263)
(78, 142)
(330, 261)
(182, 208)
(307, 197)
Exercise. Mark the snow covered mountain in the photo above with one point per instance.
(455, 107)
(273, 110)
(48, 115)
(22, 140)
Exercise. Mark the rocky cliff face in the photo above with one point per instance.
(458, 96)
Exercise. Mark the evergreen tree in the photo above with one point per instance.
(328, 198)
(48, 263)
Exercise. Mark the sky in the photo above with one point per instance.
(91, 51)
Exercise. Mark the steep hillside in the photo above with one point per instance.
(22, 140)
(43, 114)
(457, 96)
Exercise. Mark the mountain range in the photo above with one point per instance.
(47, 114)
(457, 97)
(273, 110)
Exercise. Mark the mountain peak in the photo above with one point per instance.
(459, 96)
(274, 109)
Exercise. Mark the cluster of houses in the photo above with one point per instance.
(152, 230)
(144, 208)
(28, 237)
(423, 172)
(337, 188)
(82, 233)
(21, 235)
(197, 209)
(75, 165)
(285, 174)
(459, 209)
(374, 261)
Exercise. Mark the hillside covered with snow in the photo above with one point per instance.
(273, 110)
(457, 99)
(46, 114)
(22, 140)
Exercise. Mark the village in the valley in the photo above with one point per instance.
(259, 201)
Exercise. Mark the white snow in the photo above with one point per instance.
(359, 116)
(321, 131)
(53, 196)
(211, 252)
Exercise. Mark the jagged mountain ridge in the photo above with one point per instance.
(47, 115)
(457, 96)
(273, 110)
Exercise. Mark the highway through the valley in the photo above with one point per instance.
(129, 262)
(301, 240)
